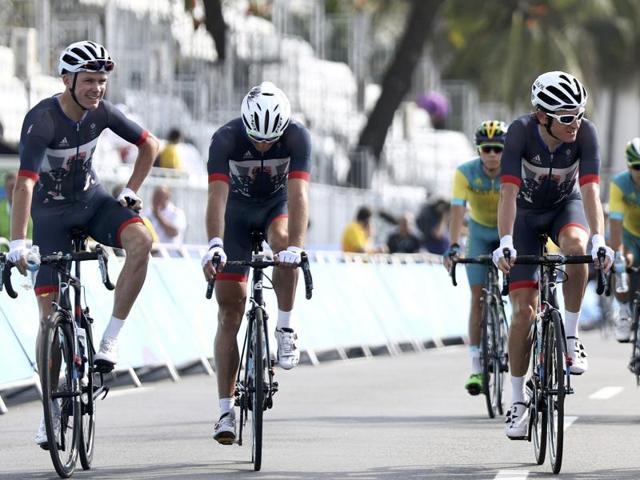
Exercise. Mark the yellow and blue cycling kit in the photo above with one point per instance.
(624, 204)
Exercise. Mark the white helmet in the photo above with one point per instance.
(266, 112)
(85, 56)
(554, 91)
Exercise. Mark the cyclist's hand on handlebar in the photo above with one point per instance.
(452, 252)
(506, 243)
(130, 199)
(18, 255)
(290, 257)
(215, 247)
(597, 242)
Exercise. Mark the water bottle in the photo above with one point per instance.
(622, 277)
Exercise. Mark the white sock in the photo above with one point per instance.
(226, 405)
(113, 329)
(571, 323)
(517, 389)
(284, 320)
(474, 354)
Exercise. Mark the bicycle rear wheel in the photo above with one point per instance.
(59, 390)
(490, 369)
(89, 385)
(257, 387)
(556, 389)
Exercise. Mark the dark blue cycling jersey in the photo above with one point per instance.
(57, 152)
(255, 175)
(548, 178)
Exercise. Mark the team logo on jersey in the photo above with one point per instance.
(64, 142)
(247, 154)
(478, 181)
(536, 160)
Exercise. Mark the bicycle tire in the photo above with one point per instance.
(88, 406)
(635, 342)
(538, 406)
(58, 343)
(257, 389)
(489, 372)
(556, 382)
(502, 356)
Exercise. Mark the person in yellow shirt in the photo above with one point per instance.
(356, 236)
(169, 156)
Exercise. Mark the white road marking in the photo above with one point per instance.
(127, 391)
(606, 393)
(512, 474)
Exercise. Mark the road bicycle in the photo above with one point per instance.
(71, 384)
(255, 386)
(493, 347)
(550, 380)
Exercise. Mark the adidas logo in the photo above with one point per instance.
(247, 154)
(63, 142)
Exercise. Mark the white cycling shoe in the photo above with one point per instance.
(288, 352)
(107, 357)
(517, 422)
(623, 329)
(578, 356)
(225, 430)
(41, 437)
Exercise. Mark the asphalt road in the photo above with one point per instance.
(403, 417)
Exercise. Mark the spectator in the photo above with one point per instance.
(403, 240)
(5, 208)
(433, 222)
(6, 148)
(168, 220)
(356, 236)
(169, 156)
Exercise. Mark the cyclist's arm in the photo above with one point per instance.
(592, 207)
(455, 223)
(216, 206)
(21, 207)
(298, 204)
(147, 153)
(616, 216)
(507, 208)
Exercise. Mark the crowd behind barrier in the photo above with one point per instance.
(360, 304)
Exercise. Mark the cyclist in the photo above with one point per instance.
(476, 183)
(258, 178)
(624, 225)
(545, 153)
(57, 183)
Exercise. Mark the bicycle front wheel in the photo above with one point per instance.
(634, 363)
(257, 387)
(88, 385)
(556, 389)
(490, 369)
(59, 388)
(538, 408)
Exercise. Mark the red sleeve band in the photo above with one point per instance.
(220, 177)
(589, 179)
(511, 179)
(300, 175)
(143, 138)
(28, 173)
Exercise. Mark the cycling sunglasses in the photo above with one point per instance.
(491, 148)
(98, 66)
(635, 167)
(266, 141)
(567, 119)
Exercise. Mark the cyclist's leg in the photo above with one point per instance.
(231, 296)
(284, 282)
(117, 226)
(569, 231)
(524, 299)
